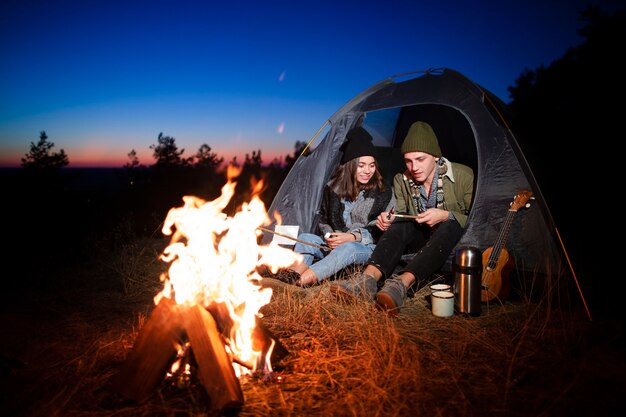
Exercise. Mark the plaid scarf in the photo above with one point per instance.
(418, 191)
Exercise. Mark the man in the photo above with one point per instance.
(437, 194)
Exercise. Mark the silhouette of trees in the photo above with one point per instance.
(276, 163)
(299, 147)
(576, 99)
(166, 152)
(133, 160)
(234, 162)
(252, 164)
(205, 158)
(583, 83)
(42, 157)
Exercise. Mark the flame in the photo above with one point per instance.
(213, 261)
(278, 217)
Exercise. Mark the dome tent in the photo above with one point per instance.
(471, 127)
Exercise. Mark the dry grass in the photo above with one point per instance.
(517, 359)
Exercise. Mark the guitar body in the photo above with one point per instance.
(496, 281)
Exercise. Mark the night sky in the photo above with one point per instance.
(105, 77)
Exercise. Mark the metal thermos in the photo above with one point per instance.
(468, 271)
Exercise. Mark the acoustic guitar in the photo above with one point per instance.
(497, 262)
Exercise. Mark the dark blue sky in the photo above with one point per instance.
(104, 77)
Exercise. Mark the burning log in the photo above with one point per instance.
(164, 334)
(214, 365)
(154, 350)
(263, 339)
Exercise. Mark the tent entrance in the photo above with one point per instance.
(389, 127)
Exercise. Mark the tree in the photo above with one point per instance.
(299, 148)
(584, 88)
(166, 152)
(255, 161)
(42, 157)
(252, 165)
(576, 99)
(276, 163)
(204, 158)
(133, 160)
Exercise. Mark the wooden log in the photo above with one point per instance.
(261, 336)
(262, 340)
(153, 353)
(222, 318)
(215, 368)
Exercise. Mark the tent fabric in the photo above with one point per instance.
(469, 122)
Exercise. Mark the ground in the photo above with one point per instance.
(62, 347)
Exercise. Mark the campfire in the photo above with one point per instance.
(207, 314)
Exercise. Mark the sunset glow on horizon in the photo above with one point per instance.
(100, 156)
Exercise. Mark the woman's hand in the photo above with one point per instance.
(335, 239)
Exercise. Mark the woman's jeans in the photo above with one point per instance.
(433, 246)
(327, 263)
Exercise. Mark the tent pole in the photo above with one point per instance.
(571, 268)
(313, 138)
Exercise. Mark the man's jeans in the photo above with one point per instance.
(433, 246)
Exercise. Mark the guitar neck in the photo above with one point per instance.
(502, 238)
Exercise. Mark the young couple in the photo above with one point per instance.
(358, 224)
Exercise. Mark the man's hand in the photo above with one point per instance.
(432, 216)
(384, 220)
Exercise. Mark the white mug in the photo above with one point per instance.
(442, 303)
(440, 287)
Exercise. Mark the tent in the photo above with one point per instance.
(470, 123)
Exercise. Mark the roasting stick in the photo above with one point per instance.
(292, 238)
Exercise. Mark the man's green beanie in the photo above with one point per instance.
(421, 138)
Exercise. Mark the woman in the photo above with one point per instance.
(353, 198)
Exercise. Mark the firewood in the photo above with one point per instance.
(261, 336)
(169, 327)
(215, 367)
(262, 339)
(154, 350)
(222, 318)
